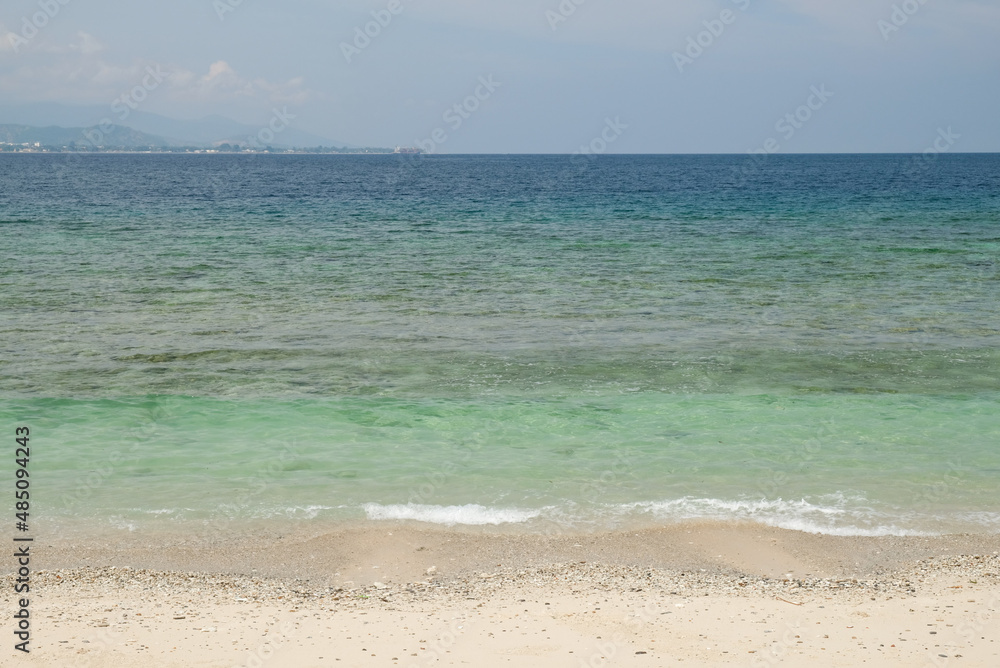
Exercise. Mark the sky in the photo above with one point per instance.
(532, 76)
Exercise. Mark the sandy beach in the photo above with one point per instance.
(692, 594)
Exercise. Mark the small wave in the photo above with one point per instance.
(233, 511)
(834, 515)
(983, 518)
(291, 512)
(470, 514)
(119, 522)
(309, 512)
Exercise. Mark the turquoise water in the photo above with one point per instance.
(510, 341)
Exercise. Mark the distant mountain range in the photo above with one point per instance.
(93, 137)
(58, 124)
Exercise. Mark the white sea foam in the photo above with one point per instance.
(839, 514)
(307, 512)
(471, 514)
(119, 522)
(989, 520)
(833, 514)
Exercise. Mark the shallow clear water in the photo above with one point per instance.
(505, 340)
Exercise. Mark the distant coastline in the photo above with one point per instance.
(193, 150)
(111, 138)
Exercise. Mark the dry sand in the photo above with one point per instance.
(401, 595)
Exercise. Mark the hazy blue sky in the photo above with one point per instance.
(928, 66)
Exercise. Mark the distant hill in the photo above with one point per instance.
(115, 136)
(207, 131)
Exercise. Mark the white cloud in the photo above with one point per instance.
(84, 43)
(222, 82)
(87, 44)
(6, 39)
(79, 71)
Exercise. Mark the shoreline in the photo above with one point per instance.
(398, 551)
(705, 594)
